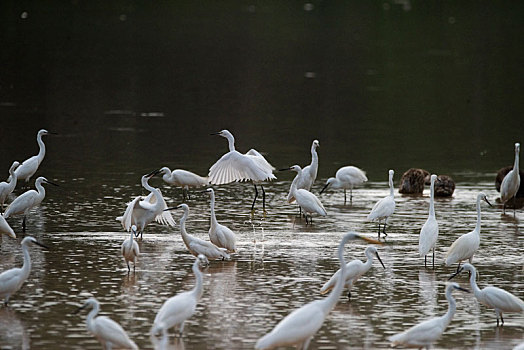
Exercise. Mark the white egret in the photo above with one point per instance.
(183, 178)
(354, 270)
(346, 178)
(7, 187)
(297, 328)
(220, 235)
(306, 178)
(12, 280)
(429, 331)
(429, 232)
(466, 245)
(306, 200)
(130, 250)
(29, 166)
(5, 228)
(176, 310)
(141, 211)
(27, 200)
(107, 331)
(197, 246)
(385, 207)
(235, 166)
(511, 182)
(493, 297)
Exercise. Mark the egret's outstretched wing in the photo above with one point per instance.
(260, 159)
(165, 217)
(234, 166)
(127, 218)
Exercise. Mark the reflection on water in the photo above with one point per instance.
(13, 333)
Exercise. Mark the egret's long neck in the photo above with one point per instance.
(214, 221)
(331, 300)
(477, 227)
(369, 261)
(159, 205)
(167, 174)
(293, 188)
(185, 236)
(231, 141)
(131, 239)
(41, 152)
(516, 164)
(198, 289)
(314, 157)
(26, 267)
(473, 283)
(391, 190)
(12, 179)
(41, 190)
(91, 316)
(432, 199)
(451, 308)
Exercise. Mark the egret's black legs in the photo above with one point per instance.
(345, 196)
(23, 224)
(425, 260)
(256, 195)
(349, 295)
(379, 230)
(263, 198)
(458, 267)
(433, 258)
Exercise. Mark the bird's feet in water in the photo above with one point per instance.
(349, 296)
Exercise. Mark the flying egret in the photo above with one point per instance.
(12, 280)
(141, 211)
(466, 245)
(220, 235)
(195, 245)
(306, 178)
(7, 187)
(130, 250)
(354, 270)
(429, 232)
(346, 178)
(27, 200)
(29, 166)
(107, 331)
(306, 200)
(429, 331)
(183, 178)
(176, 310)
(493, 297)
(297, 328)
(385, 207)
(5, 228)
(511, 182)
(235, 166)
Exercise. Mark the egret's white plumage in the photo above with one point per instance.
(220, 235)
(429, 232)
(129, 249)
(429, 331)
(511, 182)
(297, 328)
(12, 280)
(306, 178)
(354, 270)
(346, 178)
(107, 331)
(385, 207)
(176, 310)
(197, 246)
(235, 166)
(493, 297)
(5, 228)
(306, 200)
(183, 178)
(7, 187)
(141, 211)
(466, 245)
(29, 166)
(27, 200)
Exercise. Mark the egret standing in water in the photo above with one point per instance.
(12, 280)
(107, 331)
(183, 178)
(466, 245)
(493, 297)
(306, 200)
(511, 182)
(176, 310)
(7, 187)
(235, 166)
(385, 207)
(346, 177)
(429, 331)
(308, 175)
(27, 200)
(29, 166)
(220, 235)
(142, 211)
(354, 270)
(130, 250)
(297, 328)
(429, 232)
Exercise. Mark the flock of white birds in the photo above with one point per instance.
(298, 328)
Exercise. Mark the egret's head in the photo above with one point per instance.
(433, 178)
(209, 191)
(224, 133)
(483, 197)
(33, 240)
(15, 165)
(373, 250)
(517, 147)
(296, 168)
(91, 302)
(202, 260)
(133, 228)
(391, 173)
(42, 132)
(329, 182)
(184, 207)
(164, 170)
(454, 285)
(316, 143)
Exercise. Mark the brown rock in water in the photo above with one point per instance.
(412, 181)
(444, 186)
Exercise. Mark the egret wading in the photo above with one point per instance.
(129, 249)
(297, 328)
(107, 331)
(27, 200)
(466, 245)
(346, 178)
(235, 166)
(429, 232)
(184, 179)
(29, 166)
(308, 175)
(13, 279)
(6, 188)
(384, 208)
(511, 182)
(220, 235)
